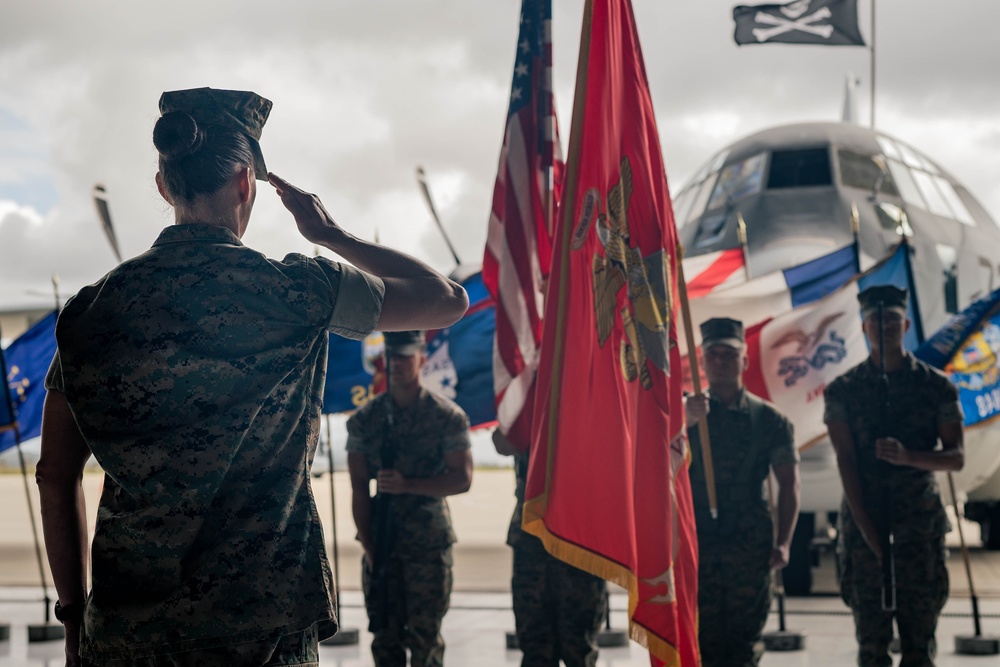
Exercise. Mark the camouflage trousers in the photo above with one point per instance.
(299, 648)
(734, 597)
(418, 589)
(558, 609)
(921, 591)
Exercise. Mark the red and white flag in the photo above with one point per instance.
(715, 271)
(519, 238)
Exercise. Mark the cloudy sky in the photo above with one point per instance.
(366, 90)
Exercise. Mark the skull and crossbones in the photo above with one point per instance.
(795, 21)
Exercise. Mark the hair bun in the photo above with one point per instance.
(177, 135)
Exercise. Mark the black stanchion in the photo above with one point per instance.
(977, 644)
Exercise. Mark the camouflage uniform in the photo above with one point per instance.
(748, 437)
(920, 399)
(558, 609)
(195, 374)
(419, 579)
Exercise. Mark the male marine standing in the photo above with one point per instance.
(738, 549)
(427, 436)
(923, 409)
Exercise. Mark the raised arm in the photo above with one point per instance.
(416, 296)
(950, 458)
(59, 474)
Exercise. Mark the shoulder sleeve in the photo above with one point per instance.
(949, 406)
(836, 408)
(54, 377)
(356, 435)
(456, 431)
(358, 301)
(783, 449)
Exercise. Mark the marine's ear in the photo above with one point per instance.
(162, 188)
(245, 180)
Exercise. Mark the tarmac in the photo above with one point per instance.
(481, 615)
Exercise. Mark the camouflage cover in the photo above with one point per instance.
(195, 373)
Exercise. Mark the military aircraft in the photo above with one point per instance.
(795, 187)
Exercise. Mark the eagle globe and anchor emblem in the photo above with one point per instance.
(645, 315)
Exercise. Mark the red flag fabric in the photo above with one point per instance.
(519, 238)
(608, 489)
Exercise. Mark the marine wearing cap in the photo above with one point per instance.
(404, 343)
(240, 110)
(722, 331)
(892, 298)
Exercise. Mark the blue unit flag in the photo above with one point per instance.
(27, 361)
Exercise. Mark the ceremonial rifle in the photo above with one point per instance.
(384, 522)
(884, 469)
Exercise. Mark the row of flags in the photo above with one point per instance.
(573, 332)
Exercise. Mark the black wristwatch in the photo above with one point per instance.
(71, 612)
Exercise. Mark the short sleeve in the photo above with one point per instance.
(359, 303)
(456, 433)
(54, 377)
(355, 433)
(835, 409)
(950, 407)
(783, 449)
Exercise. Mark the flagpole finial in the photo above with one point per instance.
(741, 228)
(855, 219)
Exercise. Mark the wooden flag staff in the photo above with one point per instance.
(706, 445)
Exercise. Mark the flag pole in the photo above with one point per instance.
(569, 202)
(871, 76)
(47, 631)
(856, 233)
(422, 181)
(706, 445)
(741, 234)
(344, 635)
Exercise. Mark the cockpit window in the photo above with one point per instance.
(867, 172)
(799, 168)
(954, 201)
(690, 202)
(935, 201)
(737, 181)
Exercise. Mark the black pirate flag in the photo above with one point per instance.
(827, 22)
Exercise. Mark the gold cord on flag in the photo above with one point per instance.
(706, 445)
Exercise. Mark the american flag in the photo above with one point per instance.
(519, 239)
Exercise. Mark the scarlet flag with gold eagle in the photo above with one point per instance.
(608, 487)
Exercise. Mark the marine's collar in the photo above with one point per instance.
(196, 231)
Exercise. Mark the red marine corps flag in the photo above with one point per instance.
(608, 487)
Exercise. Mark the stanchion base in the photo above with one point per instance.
(344, 637)
(784, 640)
(4, 632)
(612, 638)
(607, 639)
(47, 632)
(977, 645)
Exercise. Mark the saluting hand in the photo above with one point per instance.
(391, 481)
(892, 451)
(311, 217)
